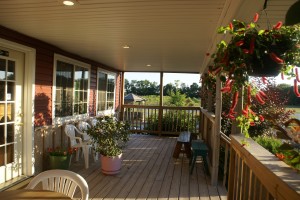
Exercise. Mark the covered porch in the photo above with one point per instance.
(149, 171)
(101, 41)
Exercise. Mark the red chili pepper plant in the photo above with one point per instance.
(61, 151)
(255, 52)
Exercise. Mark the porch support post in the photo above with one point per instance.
(160, 111)
(234, 128)
(209, 101)
(122, 96)
(216, 132)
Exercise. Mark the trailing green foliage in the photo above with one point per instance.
(270, 143)
(283, 151)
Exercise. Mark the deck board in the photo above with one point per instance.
(149, 172)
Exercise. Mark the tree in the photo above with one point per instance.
(177, 99)
(168, 89)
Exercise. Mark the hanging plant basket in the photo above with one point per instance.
(265, 67)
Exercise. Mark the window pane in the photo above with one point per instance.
(76, 97)
(10, 133)
(2, 154)
(2, 90)
(11, 70)
(2, 69)
(10, 112)
(10, 153)
(64, 89)
(102, 80)
(85, 97)
(81, 78)
(106, 89)
(10, 91)
(2, 131)
(71, 87)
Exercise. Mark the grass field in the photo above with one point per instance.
(297, 111)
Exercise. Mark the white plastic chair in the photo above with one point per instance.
(94, 122)
(61, 181)
(76, 142)
(83, 127)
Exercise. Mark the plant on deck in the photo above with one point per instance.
(109, 136)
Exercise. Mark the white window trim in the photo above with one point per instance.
(28, 110)
(106, 112)
(61, 120)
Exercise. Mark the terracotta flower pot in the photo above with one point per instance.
(111, 165)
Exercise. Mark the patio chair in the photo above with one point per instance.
(83, 127)
(61, 181)
(94, 122)
(76, 142)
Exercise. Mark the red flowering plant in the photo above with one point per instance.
(254, 52)
(58, 151)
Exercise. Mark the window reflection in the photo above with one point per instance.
(2, 69)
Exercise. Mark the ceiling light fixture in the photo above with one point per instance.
(69, 3)
(148, 65)
(126, 47)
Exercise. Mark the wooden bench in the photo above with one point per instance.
(199, 148)
(183, 145)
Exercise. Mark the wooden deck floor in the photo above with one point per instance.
(150, 172)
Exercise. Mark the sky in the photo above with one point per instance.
(188, 79)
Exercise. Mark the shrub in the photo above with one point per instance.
(270, 143)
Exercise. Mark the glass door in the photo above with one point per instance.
(11, 98)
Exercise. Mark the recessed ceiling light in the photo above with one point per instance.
(126, 47)
(148, 65)
(69, 3)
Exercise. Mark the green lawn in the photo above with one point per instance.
(297, 110)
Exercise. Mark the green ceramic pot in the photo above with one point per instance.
(59, 162)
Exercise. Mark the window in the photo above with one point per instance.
(106, 92)
(71, 93)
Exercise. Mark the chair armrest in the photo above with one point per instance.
(79, 139)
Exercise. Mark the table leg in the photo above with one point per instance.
(193, 162)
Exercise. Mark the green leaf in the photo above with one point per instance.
(296, 160)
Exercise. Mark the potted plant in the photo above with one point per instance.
(60, 158)
(255, 52)
(109, 137)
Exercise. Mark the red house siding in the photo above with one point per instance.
(44, 74)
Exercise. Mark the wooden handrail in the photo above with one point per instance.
(164, 107)
(209, 115)
(162, 119)
(225, 138)
(255, 173)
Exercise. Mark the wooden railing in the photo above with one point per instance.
(212, 139)
(257, 174)
(173, 120)
(225, 143)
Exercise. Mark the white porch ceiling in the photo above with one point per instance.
(170, 35)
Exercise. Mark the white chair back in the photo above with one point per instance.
(83, 127)
(62, 181)
(94, 122)
(70, 131)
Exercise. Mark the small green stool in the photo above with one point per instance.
(199, 148)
